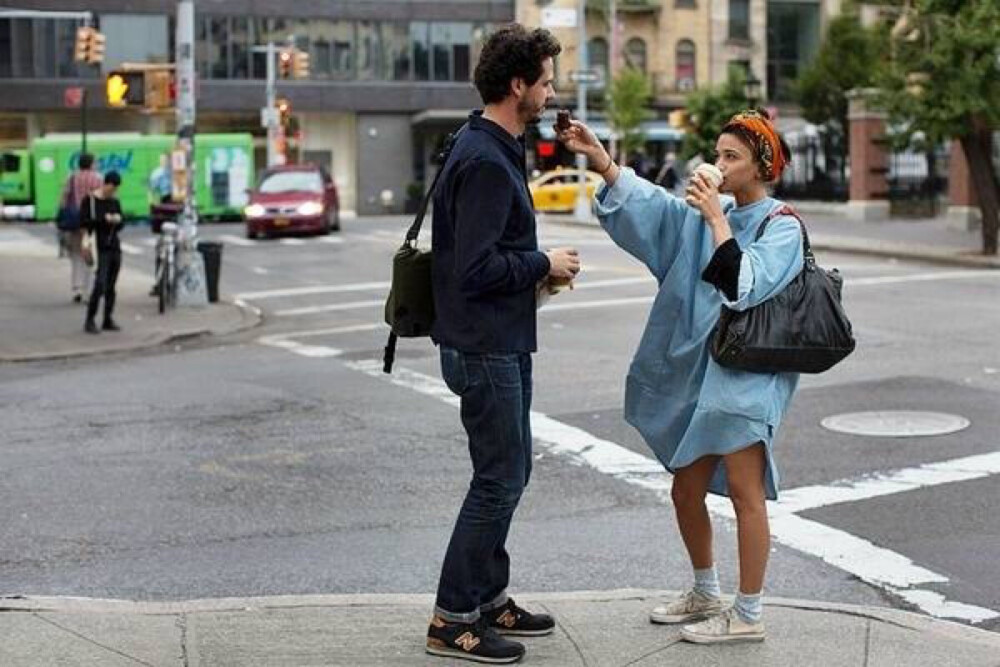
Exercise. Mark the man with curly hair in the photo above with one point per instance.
(486, 268)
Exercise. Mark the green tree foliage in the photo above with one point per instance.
(627, 108)
(942, 79)
(708, 112)
(847, 59)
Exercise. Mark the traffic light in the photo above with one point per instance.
(286, 59)
(89, 46)
(95, 54)
(81, 48)
(126, 89)
(160, 90)
(300, 64)
(284, 111)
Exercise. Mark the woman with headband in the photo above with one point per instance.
(712, 427)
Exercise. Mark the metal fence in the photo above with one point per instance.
(817, 170)
(918, 182)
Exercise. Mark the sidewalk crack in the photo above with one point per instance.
(868, 642)
(656, 650)
(91, 641)
(565, 627)
(182, 624)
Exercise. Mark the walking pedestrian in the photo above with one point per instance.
(486, 268)
(102, 216)
(712, 427)
(78, 185)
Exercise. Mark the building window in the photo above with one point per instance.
(397, 51)
(739, 20)
(369, 50)
(135, 38)
(597, 56)
(635, 54)
(792, 41)
(420, 38)
(686, 4)
(684, 66)
(242, 42)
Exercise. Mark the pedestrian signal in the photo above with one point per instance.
(286, 62)
(126, 89)
(300, 64)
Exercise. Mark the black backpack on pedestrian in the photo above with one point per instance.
(409, 308)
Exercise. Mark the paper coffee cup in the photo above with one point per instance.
(710, 172)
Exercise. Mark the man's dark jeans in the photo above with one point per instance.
(495, 392)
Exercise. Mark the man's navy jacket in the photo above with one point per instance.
(486, 258)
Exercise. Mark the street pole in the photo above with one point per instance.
(271, 113)
(83, 119)
(191, 287)
(612, 63)
(581, 210)
(186, 110)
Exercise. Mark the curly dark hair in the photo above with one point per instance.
(512, 52)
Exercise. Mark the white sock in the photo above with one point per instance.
(706, 582)
(749, 607)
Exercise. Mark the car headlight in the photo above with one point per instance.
(310, 208)
(254, 211)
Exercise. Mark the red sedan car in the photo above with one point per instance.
(293, 198)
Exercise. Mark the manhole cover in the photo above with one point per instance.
(895, 423)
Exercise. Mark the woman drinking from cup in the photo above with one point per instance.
(714, 428)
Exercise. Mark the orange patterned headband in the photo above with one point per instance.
(767, 145)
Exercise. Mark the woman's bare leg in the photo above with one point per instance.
(689, 490)
(745, 471)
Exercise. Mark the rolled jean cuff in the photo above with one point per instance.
(452, 617)
(495, 603)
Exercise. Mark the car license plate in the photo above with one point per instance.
(281, 222)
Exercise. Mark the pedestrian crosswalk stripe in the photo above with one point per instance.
(292, 242)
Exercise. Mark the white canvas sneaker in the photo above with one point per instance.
(724, 628)
(690, 606)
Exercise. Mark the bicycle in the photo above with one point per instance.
(166, 266)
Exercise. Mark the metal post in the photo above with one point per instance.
(83, 119)
(186, 109)
(271, 110)
(612, 63)
(191, 288)
(581, 210)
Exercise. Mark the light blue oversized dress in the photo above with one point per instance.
(684, 404)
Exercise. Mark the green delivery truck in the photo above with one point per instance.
(15, 179)
(224, 172)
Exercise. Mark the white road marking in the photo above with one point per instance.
(922, 277)
(291, 241)
(300, 348)
(314, 289)
(599, 303)
(260, 270)
(330, 308)
(333, 240)
(876, 565)
(884, 484)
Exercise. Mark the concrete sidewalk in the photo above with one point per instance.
(38, 320)
(924, 239)
(595, 629)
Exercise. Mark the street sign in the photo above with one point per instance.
(558, 17)
(268, 117)
(73, 97)
(588, 76)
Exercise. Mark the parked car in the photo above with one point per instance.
(556, 191)
(292, 199)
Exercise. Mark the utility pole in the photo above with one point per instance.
(186, 106)
(191, 287)
(612, 62)
(271, 111)
(581, 210)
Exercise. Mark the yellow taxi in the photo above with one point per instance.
(556, 191)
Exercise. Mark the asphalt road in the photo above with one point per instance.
(281, 461)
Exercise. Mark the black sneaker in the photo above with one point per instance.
(109, 325)
(471, 641)
(512, 620)
(91, 328)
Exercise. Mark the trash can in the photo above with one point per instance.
(211, 252)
